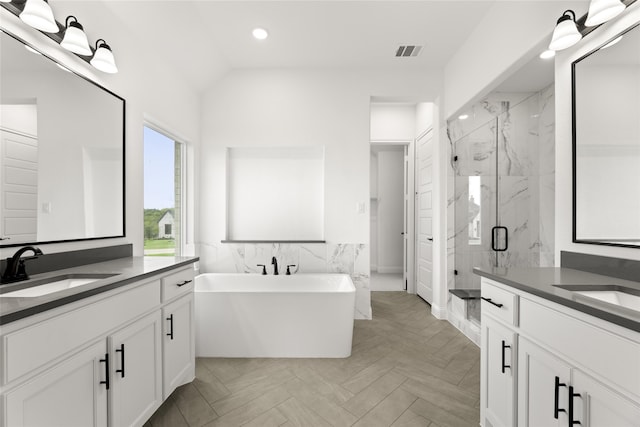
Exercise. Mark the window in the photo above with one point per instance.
(163, 194)
(475, 191)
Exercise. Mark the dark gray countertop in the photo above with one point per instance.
(539, 281)
(125, 270)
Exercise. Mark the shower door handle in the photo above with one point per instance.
(495, 231)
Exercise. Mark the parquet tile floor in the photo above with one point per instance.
(406, 369)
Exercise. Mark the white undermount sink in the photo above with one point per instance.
(614, 297)
(55, 284)
(611, 294)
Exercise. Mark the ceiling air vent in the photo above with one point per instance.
(408, 51)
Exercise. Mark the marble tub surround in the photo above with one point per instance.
(348, 258)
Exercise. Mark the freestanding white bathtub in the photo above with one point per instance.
(251, 315)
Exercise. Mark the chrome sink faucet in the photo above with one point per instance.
(15, 271)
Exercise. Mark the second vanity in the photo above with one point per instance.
(105, 353)
(558, 348)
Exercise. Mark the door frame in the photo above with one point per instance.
(409, 208)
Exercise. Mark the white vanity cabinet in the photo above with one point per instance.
(136, 379)
(178, 342)
(100, 361)
(498, 361)
(568, 368)
(178, 335)
(542, 388)
(600, 405)
(69, 394)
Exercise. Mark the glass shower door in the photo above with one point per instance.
(475, 197)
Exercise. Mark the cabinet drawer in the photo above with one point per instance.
(612, 357)
(499, 303)
(39, 344)
(178, 283)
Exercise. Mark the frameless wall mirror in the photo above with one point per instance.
(606, 143)
(61, 152)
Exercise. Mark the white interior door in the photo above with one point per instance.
(424, 214)
(405, 221)
(19, 190)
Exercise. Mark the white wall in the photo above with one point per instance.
(564, 134)
(392, 122)
(500, 44)
(300, 108)
(151, 90)
(22, 118)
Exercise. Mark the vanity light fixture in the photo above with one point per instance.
(548, 54)
(260, 33)
(103, 58)
(463, 116)
(601, 11)
(75, 40)
(38, 14)
(566, 33)
(71, 36)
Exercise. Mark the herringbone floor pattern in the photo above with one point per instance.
(406, 369)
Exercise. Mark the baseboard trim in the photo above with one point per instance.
(389, 270)
(438, 313)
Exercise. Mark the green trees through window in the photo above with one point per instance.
(162, 194)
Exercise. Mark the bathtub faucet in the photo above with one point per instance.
(274, 262)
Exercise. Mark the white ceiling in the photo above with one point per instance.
(204, 39)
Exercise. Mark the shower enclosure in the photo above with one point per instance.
(503, 171)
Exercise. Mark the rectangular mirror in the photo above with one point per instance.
(61, 152)
(606, 143)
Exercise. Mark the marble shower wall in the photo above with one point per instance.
(508, 142)
(348, 258)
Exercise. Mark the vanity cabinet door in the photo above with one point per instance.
(543, 387)
(136, 385)
(596, 405)
(178, 343)
(70, 394)
(498, 359)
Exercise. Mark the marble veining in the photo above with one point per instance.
(516, 131)
(349, 258)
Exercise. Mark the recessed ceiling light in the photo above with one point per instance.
(463, 116)
(260, 33)
(612, 42)
(548, 54)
